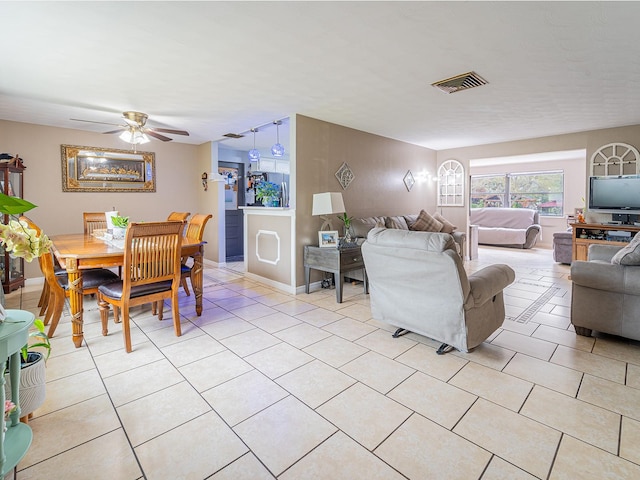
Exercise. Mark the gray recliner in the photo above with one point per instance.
(417, 283)
(605, 297)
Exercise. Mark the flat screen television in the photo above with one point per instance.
(615, 194)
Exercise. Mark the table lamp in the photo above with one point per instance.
(325, 204)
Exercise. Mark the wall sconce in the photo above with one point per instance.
(204, 181)
(277, 150)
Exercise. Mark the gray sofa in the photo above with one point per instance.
(506, 227)
(605, 297)
(417, 283)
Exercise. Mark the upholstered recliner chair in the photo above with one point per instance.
(418, 283)
(606, 291)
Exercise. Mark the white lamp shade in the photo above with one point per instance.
(327, 203)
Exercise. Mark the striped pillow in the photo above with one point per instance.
(426, 223)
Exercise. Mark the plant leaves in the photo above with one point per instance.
(14, 205)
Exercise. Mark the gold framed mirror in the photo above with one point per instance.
(94, 169)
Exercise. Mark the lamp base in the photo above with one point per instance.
(327, 225)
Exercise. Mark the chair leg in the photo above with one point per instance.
(126, 328)
(159, 305)
(116, 314)
(175, 310)
(183, 282)
(56, 313)
(104, 315)
(44, 298)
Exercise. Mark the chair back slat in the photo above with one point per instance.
(94, 221)
(195, 228)
(152, 253)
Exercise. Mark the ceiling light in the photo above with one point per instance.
(254, 154)
(277, 150)
(134, 136)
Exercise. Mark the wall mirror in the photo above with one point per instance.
(94, 169)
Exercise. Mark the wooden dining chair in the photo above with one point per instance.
(178, 216)
(151, 274)
(195, 230)
(93, 221)
(56, 284)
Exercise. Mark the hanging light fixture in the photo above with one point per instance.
(277, 150)
(134, 136)
(254, 154)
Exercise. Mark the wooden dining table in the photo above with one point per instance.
(77, 252)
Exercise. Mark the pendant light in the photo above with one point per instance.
(254, 154)
(277, 150)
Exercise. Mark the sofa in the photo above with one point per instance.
(417, 283)
(436, 222)
(605, 294)
(506, 227)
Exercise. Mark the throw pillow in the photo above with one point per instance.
(629, 254)
(398, 223)
(447, 226)
(426, 223)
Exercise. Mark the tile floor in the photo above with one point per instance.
(269, 385)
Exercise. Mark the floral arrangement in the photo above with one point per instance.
(9, 407)
(22, 241)
(16, 237)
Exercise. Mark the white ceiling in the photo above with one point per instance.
(217, 67)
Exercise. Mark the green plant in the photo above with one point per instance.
(42, 340)
(344, 218)
(267, 190)
(120, 222)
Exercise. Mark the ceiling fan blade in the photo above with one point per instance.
(157, 135)
(170, 130)
(119, 130)
(91, 121)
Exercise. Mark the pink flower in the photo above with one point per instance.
(9, 407)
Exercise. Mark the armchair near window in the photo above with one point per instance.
(605, 296)
(417, 283)
(151, 274)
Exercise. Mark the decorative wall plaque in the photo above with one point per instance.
(409, 181)
(345, 176)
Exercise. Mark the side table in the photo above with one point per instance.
(333, 260)
(14, 334)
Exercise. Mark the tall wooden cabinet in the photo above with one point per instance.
(11, 269)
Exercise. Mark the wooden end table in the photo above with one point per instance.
(333, 260)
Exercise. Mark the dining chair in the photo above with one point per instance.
(151, 274)
(56, 284)
(93, 221)
(178, 216)
(195, 230)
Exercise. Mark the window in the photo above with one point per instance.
(541, 191)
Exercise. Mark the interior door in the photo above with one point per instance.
(233, 198)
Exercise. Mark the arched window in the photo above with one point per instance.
(451, 184)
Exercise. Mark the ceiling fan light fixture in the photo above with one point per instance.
(134, 136)
(277, 150)
(254, 154)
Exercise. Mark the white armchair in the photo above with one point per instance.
(417, 283)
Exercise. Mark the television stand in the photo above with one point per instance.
(585, 234)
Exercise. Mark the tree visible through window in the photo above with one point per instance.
(540, 191)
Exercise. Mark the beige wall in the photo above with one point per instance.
(379, 165)
(178, 184)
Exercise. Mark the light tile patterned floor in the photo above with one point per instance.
(269, 385)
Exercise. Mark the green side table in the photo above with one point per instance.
(14, 334)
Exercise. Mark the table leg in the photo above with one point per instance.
(365, 280)
(197, 272)
(338, 278)
(75, 300)
(307, 279)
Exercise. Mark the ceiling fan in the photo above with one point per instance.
(134, 131)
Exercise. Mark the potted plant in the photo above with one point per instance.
(346, 220)
(32, 371)
(119, 225)
(268, 193)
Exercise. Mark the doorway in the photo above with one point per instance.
(233, 198)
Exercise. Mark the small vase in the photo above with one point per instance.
(266, 201)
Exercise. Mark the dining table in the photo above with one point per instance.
(77, 252)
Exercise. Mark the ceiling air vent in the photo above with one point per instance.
(460, 82)
(233, 135)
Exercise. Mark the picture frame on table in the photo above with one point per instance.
(328, 239)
